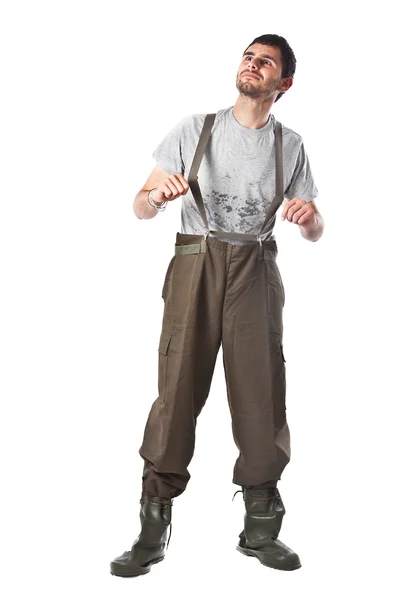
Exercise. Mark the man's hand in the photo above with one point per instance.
(170, 188)
(306, 215)
(298, 211)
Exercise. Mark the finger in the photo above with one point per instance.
(178, 184)
(300, 212)
(169, 189)
(298, 202)
(306, 217)
(286, 207)
(284, 211)
(185, 183)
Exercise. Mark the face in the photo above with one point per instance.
(259, 73)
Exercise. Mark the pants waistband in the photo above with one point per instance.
(188, 243)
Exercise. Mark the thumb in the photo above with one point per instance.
(283, 213)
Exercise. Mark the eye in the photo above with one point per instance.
(266, 61)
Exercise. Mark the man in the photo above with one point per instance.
(223, 286)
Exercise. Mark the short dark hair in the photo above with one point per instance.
(288, 57)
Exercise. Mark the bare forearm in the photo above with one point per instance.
(313, 230)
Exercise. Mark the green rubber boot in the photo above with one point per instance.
(262, 524)
(150, 546)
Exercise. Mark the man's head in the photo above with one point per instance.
(272, 62)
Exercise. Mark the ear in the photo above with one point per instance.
(286, 83)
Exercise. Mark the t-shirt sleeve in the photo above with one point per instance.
(302, 183)
(168, 153)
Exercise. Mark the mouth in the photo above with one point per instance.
(250, 75)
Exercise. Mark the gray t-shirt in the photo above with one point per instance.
(237, 172)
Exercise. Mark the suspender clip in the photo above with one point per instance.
(206, 234)
(261, 249)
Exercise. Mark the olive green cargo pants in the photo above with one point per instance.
(215, 292)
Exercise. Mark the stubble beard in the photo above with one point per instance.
(246, 88)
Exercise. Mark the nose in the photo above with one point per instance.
(251, 64)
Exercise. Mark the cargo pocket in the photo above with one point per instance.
(163, 349)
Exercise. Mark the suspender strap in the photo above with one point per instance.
(195, 188)
(193, 183)
(279, 190)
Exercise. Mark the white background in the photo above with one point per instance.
(89, 90)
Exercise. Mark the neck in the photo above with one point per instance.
(251, 113)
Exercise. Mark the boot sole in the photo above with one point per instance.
(137, 570)
(254, 554)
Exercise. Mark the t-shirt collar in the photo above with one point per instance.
(269, 125)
